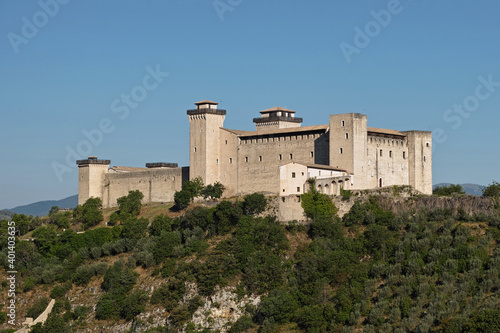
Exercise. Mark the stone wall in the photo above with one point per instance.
(157, 185)
(259, 158)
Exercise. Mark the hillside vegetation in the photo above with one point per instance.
(234, 268)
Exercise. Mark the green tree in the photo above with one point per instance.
(135, 228)
(492, 190)
(161, 223)
(213, 191)
(318, 206)
(448, 190)
(181, 199)
(53, 210)
(194, 187)
(22, 223)
(254, 203)
(89, 213)
(130, 205)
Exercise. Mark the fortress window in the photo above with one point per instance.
(342, 123)
(390, 153)
(281, 157)
(217, 161)
(341, 150)
(195, 149)
(312, 154)
(246, 159)
(230, 160)
(302, 173)
(380, 152)
(291, 156)
(226, 142)
(293, 174)
(427, 144)
(347, 135)
(298, 189)
(404, 155)
(260, 158)
(424, 158)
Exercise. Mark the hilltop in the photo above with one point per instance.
(416, 263)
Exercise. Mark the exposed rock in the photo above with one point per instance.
(222, 308)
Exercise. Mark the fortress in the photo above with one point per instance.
(276, 159)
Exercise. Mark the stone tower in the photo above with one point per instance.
(205, 123)
(420, 160)
(348, 133)
(91, 174)
(276, 118)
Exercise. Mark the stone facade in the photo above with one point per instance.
(276, 159)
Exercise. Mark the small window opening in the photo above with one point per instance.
(312, 154)
(195, 149)
(342, 123)
(293, 174)
(341, 150)
(390, 153)
(230, 160)
(298, 189)
(260, 158)
(347, 135)
(246, 159)
(404, 155)
(291, 156)
(281, 157)
(380, 152)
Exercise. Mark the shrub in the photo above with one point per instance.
(193, 187)
(161, 223)
(492, 190)
(181, 199)
(37, 308)
(130, 205)
(133, 304)
(89, 213)
(213, 191)
(134, 228)
(448, 190)
(254, 204)
(318, 206)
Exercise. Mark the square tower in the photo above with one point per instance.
(91, 174)
(348, 144)
(205, 123)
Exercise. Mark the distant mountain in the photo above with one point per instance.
(6, 215)
(472, 189)
(42, 208)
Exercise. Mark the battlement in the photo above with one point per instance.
(161, 165)
(92, 160)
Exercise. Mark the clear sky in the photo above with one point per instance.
(67, 67)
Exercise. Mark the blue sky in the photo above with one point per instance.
(65, 68)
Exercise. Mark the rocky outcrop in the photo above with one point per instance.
(221, 309)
